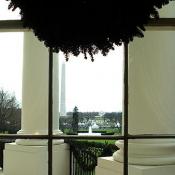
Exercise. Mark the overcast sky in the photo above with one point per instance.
(90, 86)
(95, 86)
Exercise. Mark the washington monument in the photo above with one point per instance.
(63, 91)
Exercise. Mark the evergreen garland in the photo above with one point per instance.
(86, 26)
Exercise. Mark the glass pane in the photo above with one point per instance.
(168, 11)
(91, 94)
(11, 52)
(6, 14)
(151, 84)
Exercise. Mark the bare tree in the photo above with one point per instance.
(9, 109)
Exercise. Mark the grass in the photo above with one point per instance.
(100, 141)
(103, 141)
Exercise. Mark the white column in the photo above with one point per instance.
(151, 95)
(30, 157)
(56, 114)
(35, 90)
(151, 99)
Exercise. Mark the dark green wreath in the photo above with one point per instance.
(86, 26)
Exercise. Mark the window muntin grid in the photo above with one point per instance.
(16, 25)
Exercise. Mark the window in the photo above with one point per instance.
(7, 14)
(50, 137)
(95, 89)
(11, 81)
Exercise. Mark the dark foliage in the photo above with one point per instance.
(84, 150)
(86, 26)
(113, 117)
(75, 120)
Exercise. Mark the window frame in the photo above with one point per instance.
(16, 26)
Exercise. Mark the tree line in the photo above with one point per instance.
(10, 113)
(73, 118)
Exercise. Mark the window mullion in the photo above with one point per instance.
(125, 170)
(50, 112)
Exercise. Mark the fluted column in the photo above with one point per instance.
(151, 99)
(35, 90)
